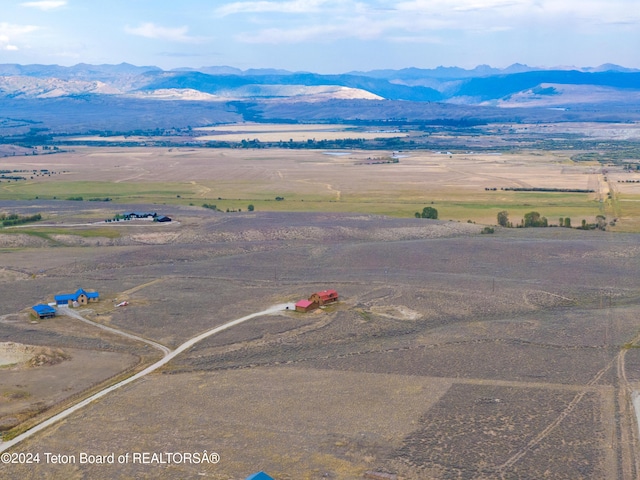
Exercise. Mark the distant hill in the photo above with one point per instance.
(215, 84)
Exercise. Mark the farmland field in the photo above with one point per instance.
(451, 353)
(462, 187)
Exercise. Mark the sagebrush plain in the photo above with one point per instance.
(451, 354)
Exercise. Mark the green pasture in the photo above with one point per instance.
(124, 192)
(480, 207)
(47, 232)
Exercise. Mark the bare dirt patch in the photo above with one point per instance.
(39, 377)
(301, 425)
(29, 355)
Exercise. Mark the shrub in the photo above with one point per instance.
(427, 212)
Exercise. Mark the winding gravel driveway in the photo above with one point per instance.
(169, 355)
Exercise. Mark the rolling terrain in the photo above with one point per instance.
(450, 353)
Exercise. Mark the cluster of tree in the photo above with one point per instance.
(15, 219)
(534, 219)
(564, 222)
(211, 206)
(601, 224)
(503, 219)
(531, 219)
(427, 212)
(12, 177)
(632, 167)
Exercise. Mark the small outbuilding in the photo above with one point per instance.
(305, 306)
(81, 297)
(44, 311)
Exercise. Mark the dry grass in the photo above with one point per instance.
(435, 323)
(315, 181)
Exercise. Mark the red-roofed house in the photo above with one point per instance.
(324, 297)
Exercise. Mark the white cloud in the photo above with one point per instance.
(417, 39)
(289, 6)
(548, 11)
(417, 21)
(151, 30)
(9, 32)
(45, 4)
(5, 45)
(362, 27)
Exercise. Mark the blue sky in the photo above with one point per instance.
(324, 36)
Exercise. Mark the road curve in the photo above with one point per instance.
(72, 313)
(166, 359)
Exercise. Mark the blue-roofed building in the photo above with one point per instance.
(259, 476)
(81, 297)
(44, 311)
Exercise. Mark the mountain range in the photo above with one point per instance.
(482, 85)
(263, 94)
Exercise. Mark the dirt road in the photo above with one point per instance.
(72, 313)
(166, 359)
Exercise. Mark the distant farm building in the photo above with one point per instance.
(80, 297)
(44, 311)
(325, 297)
(130, 215)
(146, 215)
(316, 300)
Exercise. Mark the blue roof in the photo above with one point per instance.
(259, 476)
(65, 297)
(41, 309)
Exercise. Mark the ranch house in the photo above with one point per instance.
(80, 297)
(316, 300)
(130, 215)
(325, 297)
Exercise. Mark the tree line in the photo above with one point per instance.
(534, 219)
(15, 219)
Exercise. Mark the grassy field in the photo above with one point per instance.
(459, 186)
